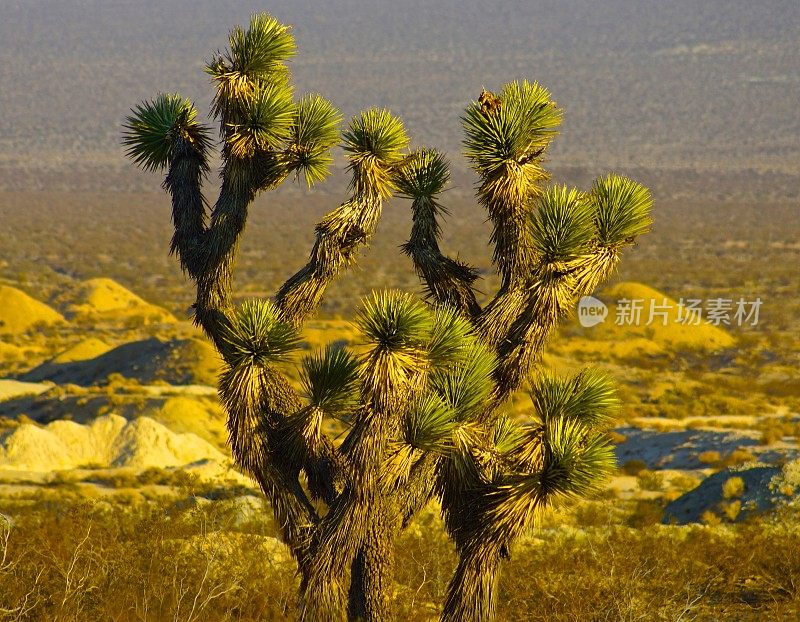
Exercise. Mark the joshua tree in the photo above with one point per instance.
(422, 396)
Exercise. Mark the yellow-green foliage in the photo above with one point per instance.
(710, 457)
(733, 488)
(650, 480)
(160, 556)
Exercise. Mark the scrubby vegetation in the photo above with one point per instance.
(161, 560)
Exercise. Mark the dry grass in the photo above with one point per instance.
(74, 560)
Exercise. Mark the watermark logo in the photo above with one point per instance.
(591, 311)
(687, 312)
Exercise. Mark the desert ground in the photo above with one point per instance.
(119, 497)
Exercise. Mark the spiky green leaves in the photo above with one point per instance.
(576, 461)
(561, 228)
(395, 328)
(330, 381)
(255, 59)
(258, 50)
(588, 397)
(622, 209)
(565, 454)
(374, 143)
(265, 121)
(424, 175)
(572, 462)
(429, 424)
(466, 385)
(314, 131)
(257, 336)
(574, 413)
(157, 128)
(451, 337)
(507, 435)
(377, 134)
(513, 131)
(394, 322)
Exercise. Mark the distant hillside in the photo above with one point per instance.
(109, 441)
(19, 312)
(104, 298)
(177, 361)
(665, 328)
(89, 348)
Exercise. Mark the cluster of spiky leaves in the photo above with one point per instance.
(314, 130)
(255, 107)
(424, 176)
(156, 129)
(265, 121)
(622, 210)
(257, 336)
(421, 395)
(330, 380)
(374, 142)
(255, 58)
(514, 132)
(561, 227)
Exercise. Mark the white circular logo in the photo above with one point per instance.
(591, 311)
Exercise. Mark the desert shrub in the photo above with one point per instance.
(710, 517)
(684, 482)
(711, 458)
(616, 437)
(650, 480)
(154, 561)
(738, 457)
(733, 487)
(594, 514)
(646, 512)
(731, 509)
(771, 435)
(634, 467)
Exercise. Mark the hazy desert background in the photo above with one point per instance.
(114, 473)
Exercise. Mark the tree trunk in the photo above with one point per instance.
(471, 593)
(369, 599)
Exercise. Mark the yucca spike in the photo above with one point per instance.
(467, 385)
(256, 336)
(516, 129)
(577, 461)
(375, 133)
(374, 142)
(507, 435)
(451, 337)
(588, 397)
(622, 209)
(429, 424)
(155, 128)
(394, 321)
(256, 51)
(265, 123)
(561, 227)
(330, 381)
(424, 175)
(314, 131)
(255, 60)
(395, 330)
